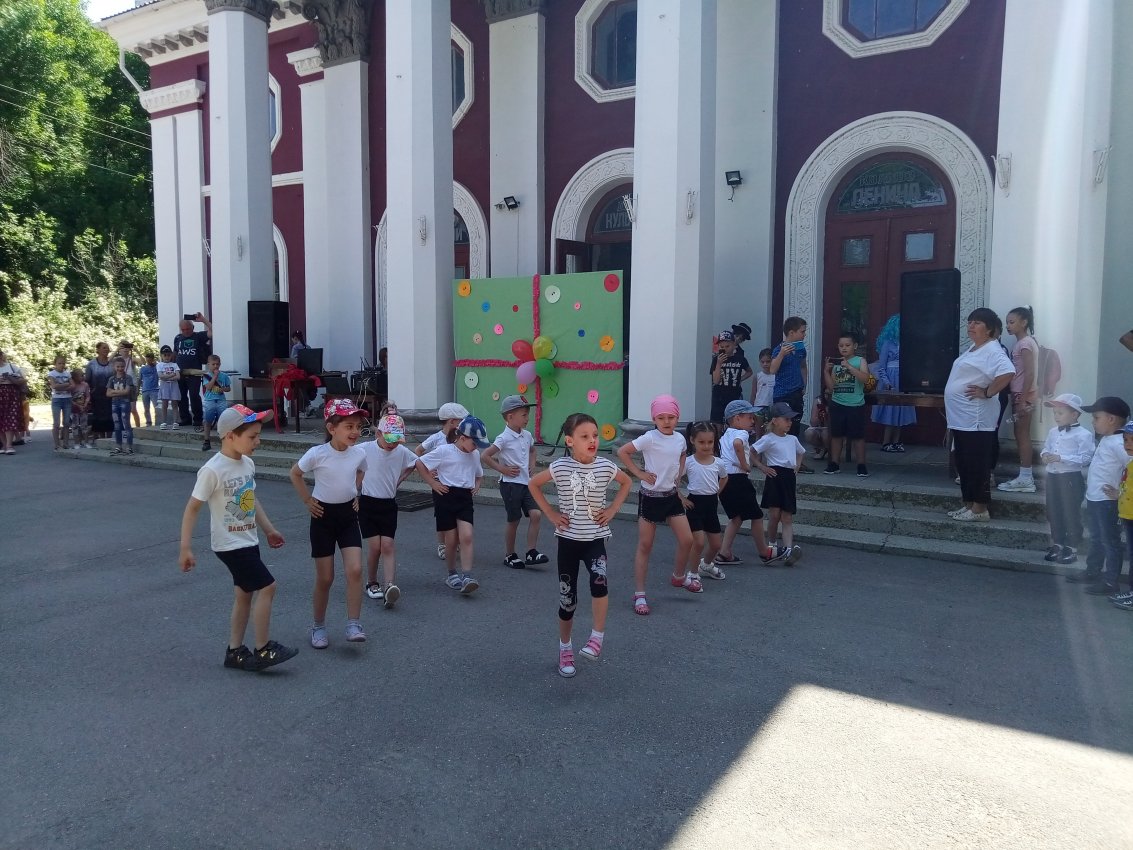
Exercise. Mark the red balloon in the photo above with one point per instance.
(521, 348)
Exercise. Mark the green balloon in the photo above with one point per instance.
(550, 388)
(544, 368)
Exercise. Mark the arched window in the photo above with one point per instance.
(613, 58)
(873, 19)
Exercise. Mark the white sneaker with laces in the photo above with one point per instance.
(1018, 485)
(967, 515)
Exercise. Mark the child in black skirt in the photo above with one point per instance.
(778, 454)
(706, 478)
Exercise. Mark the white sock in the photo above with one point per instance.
(563, 647)
(1025, 473)
(596, 635)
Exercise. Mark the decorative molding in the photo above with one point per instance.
(852, 45)
(584, 190)
(465, 45)
(502, 10)
(897, 132)
(306, 62)
(186, 93)
(262, 9)
(281, 250)
(289, 178)
(583, 29)
(273, 87)
(344, 28)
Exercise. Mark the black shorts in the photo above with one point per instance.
(377, 517)
(248, 570)
(518, 501)
(338, 526)
(779, 492)
(704, 514)
(659, 509)
(846, 421)
(738, 498)
(454, 505)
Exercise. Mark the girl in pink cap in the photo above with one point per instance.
(658, 501)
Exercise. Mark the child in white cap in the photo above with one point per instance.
(388, 463)
(451, 414)
(1066, 454)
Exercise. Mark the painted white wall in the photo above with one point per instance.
(516, 84)
(316, 215)
(163, 143)
(191, 215)
(671, 302)
(1049, 224)
(746, 57)
(420, 202)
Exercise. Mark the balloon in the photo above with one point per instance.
(542, 347)
(544, 368)
(525, 374)
(521, 348)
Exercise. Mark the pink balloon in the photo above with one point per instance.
(525, 374)
(521, 348)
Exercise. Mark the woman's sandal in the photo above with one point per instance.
(640, 605)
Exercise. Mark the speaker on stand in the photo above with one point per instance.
(268, 332)
(930, 329)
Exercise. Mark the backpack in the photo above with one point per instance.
(1049, 371)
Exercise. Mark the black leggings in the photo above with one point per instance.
(571, 553)
(974, 451)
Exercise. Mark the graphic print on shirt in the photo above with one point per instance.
(240, 507)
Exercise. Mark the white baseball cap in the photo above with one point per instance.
(452, 410)
(1066, 400)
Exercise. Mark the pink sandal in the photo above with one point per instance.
(640, 605)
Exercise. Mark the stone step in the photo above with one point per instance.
(935, 497)
(190, 451)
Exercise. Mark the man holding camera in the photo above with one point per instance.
(192, 348)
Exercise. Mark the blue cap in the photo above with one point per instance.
(473, 428)
(1128, 429)
(736, 408)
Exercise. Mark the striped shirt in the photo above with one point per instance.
(582, 495)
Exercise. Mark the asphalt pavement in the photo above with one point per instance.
(853, 701)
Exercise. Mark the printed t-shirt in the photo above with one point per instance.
(384, 468)
(334, 472)
(779, 451)
(59, 379)
(848, 390)
(229, 487)
(191, 351)
(515, 450)
(80, 396)
(582, 495)
(223, 385)
(1125, 494)
(120, 382)
(978, 366)
(454, 467)
(662, 454)
(704, 478)
(731, 370)
(168, 371)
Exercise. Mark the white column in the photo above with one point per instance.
(191, 213)
(746, 72)
(516, 62)
(673, 242)
(240, 171)
(419, 202)
(167, 241)
(1050, 218)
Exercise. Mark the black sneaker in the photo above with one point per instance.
(1068, 556)
(273, 653)
(206, 446)
(1086, 577)
(1053, 553)
(1100, 588)
(862, 471)
(241, 658)
(831, 469)
(1123, 601)
(514, 561)
(792, 555)
(534, 556)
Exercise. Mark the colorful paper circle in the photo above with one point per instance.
(515, 308)
(611, 283)
(471, 379)
(464, 289)
(486, 306)
(553, 294)
(609, 431)
(495, 396)
(550, 387)
(581, 332)
(578, 305)
(498, 330)
(592, 396)
(606, 343)
(521, 388)
(477, 338)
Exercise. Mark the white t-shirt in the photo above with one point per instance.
(57, 379)
(229, 487)
(728, 450)
(704, 478)
(582, 495)
(167, 371)
(764, 388)
(1109, 462)
(433, 441)
(454, 467)
(779, 451)
(515, 450)
(334, 471)
(978, 366)
(662, 454)
(384, 468)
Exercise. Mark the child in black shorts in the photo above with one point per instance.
(738, 498)
(512, 455)
(227, 483)
(706, 478)
(779, 455)
(388, 463)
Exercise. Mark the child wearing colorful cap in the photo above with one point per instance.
(1066, 454)
(454, 473)
(388, 463)
(1125, 513)
(512, 455)
(778, 454)
(338, 467)
(658, 500)
(738, 498)
(451, 415)
(227, 484)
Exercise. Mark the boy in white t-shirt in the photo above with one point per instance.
(451, 415)
(227, 483)
(388, 463)
(512, 455)
(779, 454)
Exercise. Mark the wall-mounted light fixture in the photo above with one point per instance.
(733, 179)
(1003, 171)
(509, 202)
(628, 203)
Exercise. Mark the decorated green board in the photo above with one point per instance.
(554, 338)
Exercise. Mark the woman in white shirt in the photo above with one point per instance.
(971, 404)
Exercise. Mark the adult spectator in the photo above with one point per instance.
(971, 404)
(192, 349)
(297, 344)
(13, 385)
(98, 373)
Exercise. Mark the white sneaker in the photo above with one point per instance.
(176, 426)
(164, 426)
(1018, 485)
(968, 516)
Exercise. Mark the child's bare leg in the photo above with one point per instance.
(646, 531)
(352, 566)
(261, 615)
(730, 532)
(389, 564)
(713, 547)
(373, 554)
(859, 451)
(241, 609)
(696, 552)
(448, 540)
(836, 449)
(511, 529)
(464, 534)
(758, 535)
(134, 413)
(324, 578)
(788, 528)
(773, 517)
(679, 525)
(533, 520)
(565, 629)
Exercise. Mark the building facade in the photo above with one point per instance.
(739, 160)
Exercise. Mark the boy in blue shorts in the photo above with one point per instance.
(214, 385)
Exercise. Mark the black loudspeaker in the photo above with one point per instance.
(268, 330)
(930, 324)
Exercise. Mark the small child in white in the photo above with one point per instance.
(388, 463)
(707, 476)
(1066, 454)
(763, 387)
(512, 455)
(451, 415)
(778, 454)
(168, 389)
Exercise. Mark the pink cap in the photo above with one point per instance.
(664, 404)
(344, 407)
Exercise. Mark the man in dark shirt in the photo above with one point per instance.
(192, 349)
